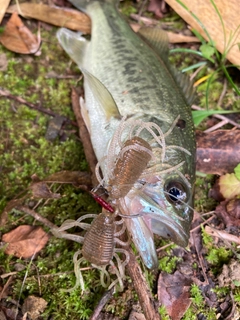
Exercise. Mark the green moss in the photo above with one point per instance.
(168, 264)
(163, 313)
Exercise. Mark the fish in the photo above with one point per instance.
(131, 89)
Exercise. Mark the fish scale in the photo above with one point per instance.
(129, 75)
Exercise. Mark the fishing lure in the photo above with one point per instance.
(99, 246)
(132, 171)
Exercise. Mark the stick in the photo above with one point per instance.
(7, 94)
(84, 136)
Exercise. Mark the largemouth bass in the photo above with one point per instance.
(131, 89)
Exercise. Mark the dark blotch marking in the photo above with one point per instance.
(181, 124)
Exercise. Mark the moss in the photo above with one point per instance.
(168, 264)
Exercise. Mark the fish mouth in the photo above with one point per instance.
(170, 230)
(160, 218)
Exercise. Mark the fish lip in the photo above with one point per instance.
(155, 214)
(175, 232)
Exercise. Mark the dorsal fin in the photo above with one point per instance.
(157, 39)
(185, 84)
(102, 95)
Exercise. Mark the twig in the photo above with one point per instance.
(6, 286)
(7, 94)
(223, 92)
(105, 298)
(144, 295)
(222, 235)
(37, 216)
(84, 136)
(145, 20)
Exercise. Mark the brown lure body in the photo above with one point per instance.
(98, 246)
(129, 167)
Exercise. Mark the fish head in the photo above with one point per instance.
(165, 203)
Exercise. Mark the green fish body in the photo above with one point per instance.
(128, 75)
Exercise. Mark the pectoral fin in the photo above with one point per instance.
(102, 95)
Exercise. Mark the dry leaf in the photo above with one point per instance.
(34, 306)
(229, 212)
(3, 8)
(3, 62)
(25, 241)
(206, 13)
(61, 17)
(173, 293)
(54, 127)
(158, 7)
(18, 38)
(10, 205)
(218, 152)
(41, 190)
(229, 186)
(77, 178)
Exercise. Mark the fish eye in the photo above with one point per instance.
(175, 192)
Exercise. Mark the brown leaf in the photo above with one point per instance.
(24, 241)
(218, 152)
(3, 62)
(229, 186)
(3, 8)
(61, 17)
(173, 293)
(77, 178)
(18, 38)
(179, 38)
(54, 127)
(41, 190)
(10, 205)
(209, 18)
(158, 7)
(34, 306)
(229, 212)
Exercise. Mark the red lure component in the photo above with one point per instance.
(102, 202)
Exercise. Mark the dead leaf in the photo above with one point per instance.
(25, 241)
(3, 8)
(10, 205)
(229, 186)
(136, 316)
(229, 212)
(3, 62)
(18, 38)
(180, 38)
(218, 152)
(223, 235)
(206, 13)
(230, 274)
(158, 7)
(61, 17)
(34, 306)
(173, 293)
(54, 127)
(77, 178)
(41, 190)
